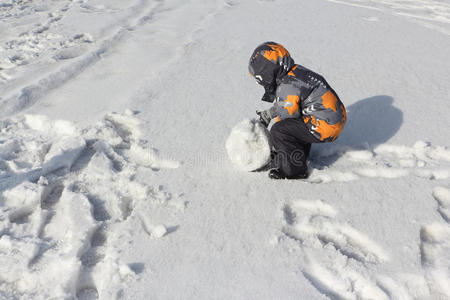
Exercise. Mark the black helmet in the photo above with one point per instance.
(269, 63)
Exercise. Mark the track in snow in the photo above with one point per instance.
(435, 247)
(433, 14)
(63, 223)
(60, 58)
(339, 260)
(385, 161)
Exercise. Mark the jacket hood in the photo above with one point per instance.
(269, 63)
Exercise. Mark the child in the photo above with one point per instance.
(306, 109)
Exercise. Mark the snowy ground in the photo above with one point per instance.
(114, 177)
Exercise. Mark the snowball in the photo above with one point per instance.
(248, 145)
(159, 231)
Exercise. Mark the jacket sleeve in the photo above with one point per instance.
(274, 110)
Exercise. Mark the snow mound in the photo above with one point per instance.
(385, 161)
(248, 145)
(69, 199)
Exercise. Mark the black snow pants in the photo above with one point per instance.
(292, 142)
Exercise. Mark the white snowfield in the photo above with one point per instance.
(115, 177)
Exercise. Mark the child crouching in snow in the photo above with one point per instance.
(306, 109)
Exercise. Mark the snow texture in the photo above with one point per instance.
(248, 145)
(68, 196)
(120, 178)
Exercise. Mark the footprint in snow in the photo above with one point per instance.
(435, 247)
(337, 257)
(75, 203)
(385, 161)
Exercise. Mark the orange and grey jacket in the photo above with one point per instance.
(297, 91)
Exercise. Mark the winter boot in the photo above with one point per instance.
(276, 174)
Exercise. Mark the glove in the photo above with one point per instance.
(264, 117)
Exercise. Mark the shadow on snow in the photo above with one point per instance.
(370, 122)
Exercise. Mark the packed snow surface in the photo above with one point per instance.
(69, 195)
(248, 145)
(118, 122)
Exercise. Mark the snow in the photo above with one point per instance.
(70, 187)
(248, 145)
(159, 231)
(124, 156)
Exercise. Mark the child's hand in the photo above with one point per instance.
(264, 117)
